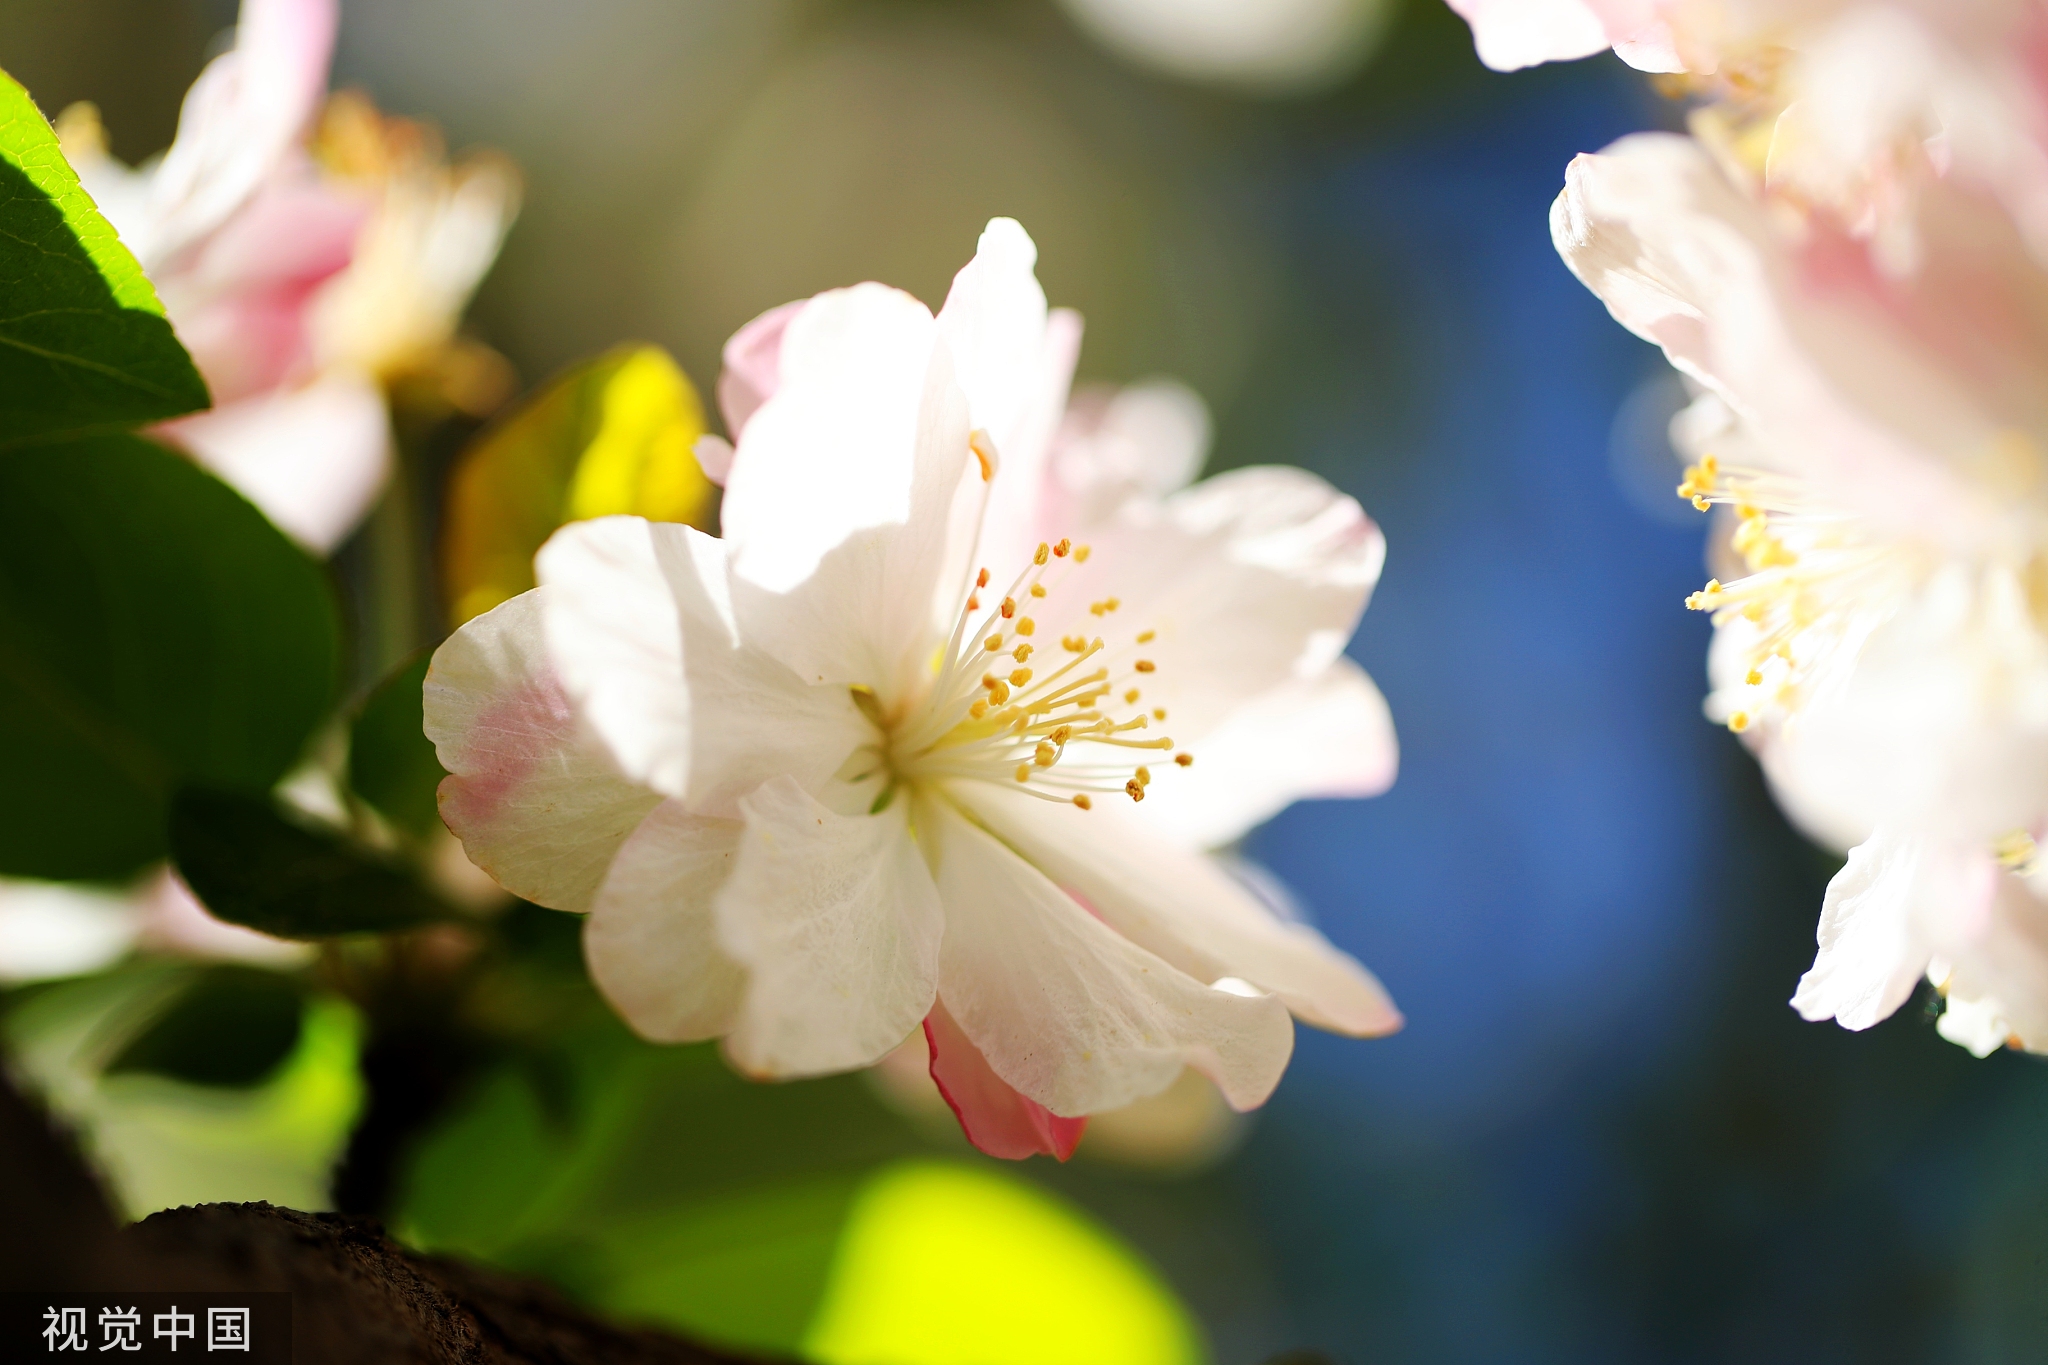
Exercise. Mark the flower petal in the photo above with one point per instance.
(1244, 582)
(1511, 34)
(838, 925)
(313, 459)
(993, 324)
(995, 1118)
(1330, 735)
(1181, 906)
(641, 626)
(753, 368)
(651, 939)
(532, 794)
(240, 119)
(1871, 953)
(838, 508)
(1065, 1009)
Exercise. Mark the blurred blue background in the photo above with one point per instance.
(1603, 1135)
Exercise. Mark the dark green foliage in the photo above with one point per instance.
(233, 1026)
(155, 631)
(84, 344)
(391, 763)
(252, 866)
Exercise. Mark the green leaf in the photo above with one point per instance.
(155, 631)
(251, 866)
(391, 762)
(84, 344)
(233, 1026)
(612, 435)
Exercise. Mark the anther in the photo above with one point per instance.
(1038, 589)
(1111, 603)
(1146, 637)
(1062, 734)
(1739, 722)
(1026, 626)
(1755, 677)
(1042, 553)
(1186, 760)
(1060, 550)
(1045, 754)
(1009, 607)
(1144, 776)
(1159, 713)
(1083, 802)
(1097, 608)
(993, 644)
(1020, 676)
(973, 602)
(978, 710)
(1081, 554)
(1023, 772)
(1000, 693)
(1131, 697)
(1021, 653)
(1145, 666)
(1135, 789)
(981, 579)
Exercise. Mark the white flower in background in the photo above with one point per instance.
(1875, 445)
(1849, 106)
(296, 289)
(869, 761)
(59, 929)
(1269, 46)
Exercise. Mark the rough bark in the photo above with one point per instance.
(358, 1298)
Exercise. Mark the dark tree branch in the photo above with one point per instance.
(358, 1298)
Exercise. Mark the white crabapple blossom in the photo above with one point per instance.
(1873, 446)
(879, 756)
(1851, 106)
(298, 286)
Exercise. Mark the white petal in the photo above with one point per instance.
(837, 924)
(1185, 908)
(1511, 34)
(839, 503)
(1142, 441)
(53, 929)
(1070, 1013)
(1871, 952)
(993, 323)
(640, 625)
(1330, 735)
(752, 369)
(652, 940)
(1246, 581)
(313, 459)
(532, 794)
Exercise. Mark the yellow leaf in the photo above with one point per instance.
(613, 435)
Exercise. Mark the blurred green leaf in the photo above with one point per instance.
(391, 762)
(155, 631)
(84, 344)
(234, 1026)
(161, 1142)
(613, 435)
(251, 866)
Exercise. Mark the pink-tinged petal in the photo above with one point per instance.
(994, 1117)
(532, 794)
(1180, 905)
(313, 458)
(838, 925)
(651, 939)
(1805, 350)
(242, 302)
(753, 367)
(1067, 1011)
(240, 119)
(1872, 949)
(641, 627)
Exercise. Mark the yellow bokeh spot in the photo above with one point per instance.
(941, 1264)
(616, 435)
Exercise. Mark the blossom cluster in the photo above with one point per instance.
(1848, 261)
(934, 735)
